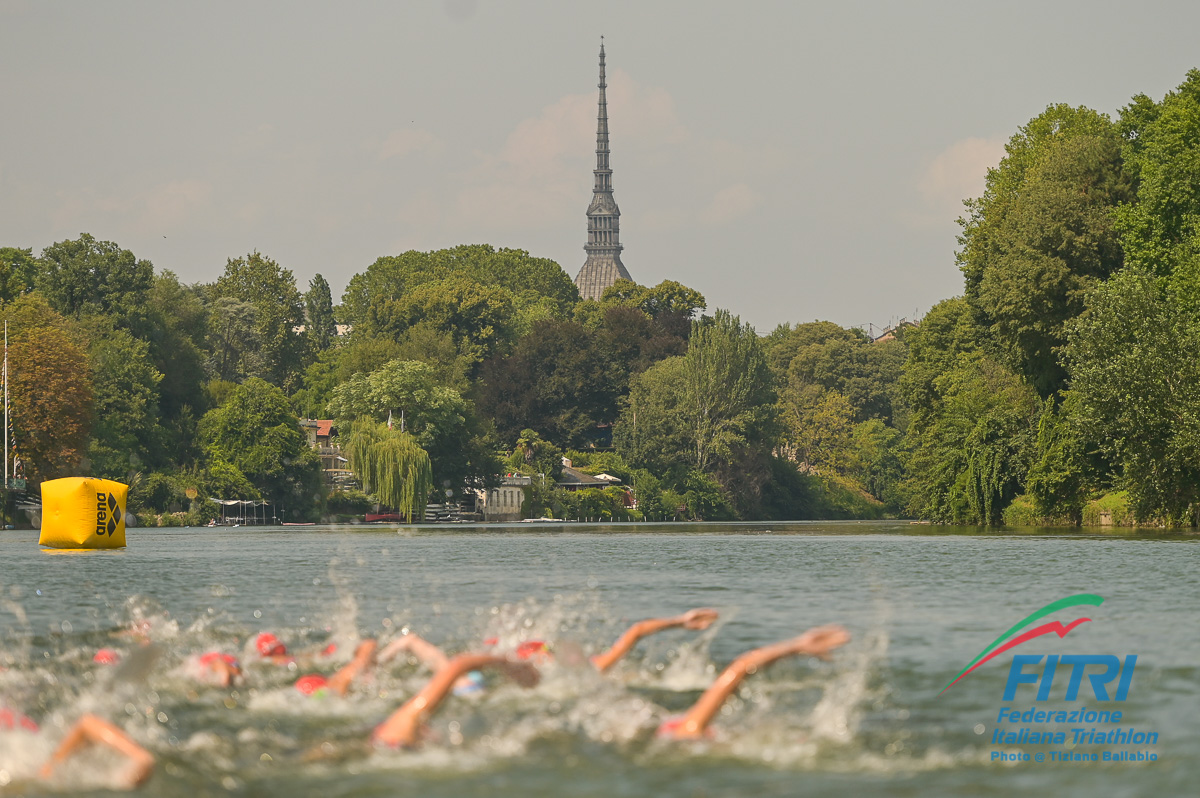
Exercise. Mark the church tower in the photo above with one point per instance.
(603, 266)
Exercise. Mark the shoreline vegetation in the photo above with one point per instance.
(1059, 388)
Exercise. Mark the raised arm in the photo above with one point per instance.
(692, 619)
(91, 730)
(364, 658)
(816, 642)
(430, 655)
(403, 727)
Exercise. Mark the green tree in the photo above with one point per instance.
(971, 453)
(234, 344)
(255, 431)
(710, 412)
(126, 436)
(1032, 258)
(89, 276)
(1160, 232)
(175, 332)
(556, 381)
(728, 392)
(668, 297)
(480, 318)
(392, 466)
(1137, 380)
(439, 419)
(18, 272)
(321, 326)
(278, 312)
(819, 424)
(533, 284)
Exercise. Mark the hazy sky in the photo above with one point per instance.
(790, 160)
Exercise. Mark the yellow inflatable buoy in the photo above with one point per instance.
(83, 513)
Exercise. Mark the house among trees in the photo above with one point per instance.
(889, 334)
(502, 503)
(574, 479)
(335, 468)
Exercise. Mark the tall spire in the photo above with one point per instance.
(603, 266)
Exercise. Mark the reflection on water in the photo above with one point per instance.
(920, 601)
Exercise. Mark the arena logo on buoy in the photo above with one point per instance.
(108, 513)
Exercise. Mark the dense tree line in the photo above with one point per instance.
(1063, 374)
(1066, 371)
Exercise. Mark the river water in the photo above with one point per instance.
(920, 602)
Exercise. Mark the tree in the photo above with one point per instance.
(321, 325)
(727, 393)
(438, 418)
(255, 431)
(556, 381)
(1160, 233)
(234, 344)
(1051, 242)
(50, 394)
(126, 437)
(89, 276)
(819, 424)
(392, 466)
(864, 372)
(710, 411)
(478, 317)
(18, 272)
(278, 312)
(666, 298)
(175, 332)
(530, 282)
(971, 451)
(1136, 378)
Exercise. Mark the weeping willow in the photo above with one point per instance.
(392, 466)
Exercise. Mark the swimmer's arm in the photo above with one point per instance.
(816, 642)
(364, 658)
(692, 619)
(430, 655)
(225, 673)
(91, 730)
(403, 727)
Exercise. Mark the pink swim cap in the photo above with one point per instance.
(312, 683)
(269, 646)
(533, 648)
(213, 656)
(106, 656)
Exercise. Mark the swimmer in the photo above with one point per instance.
(403, 727)
(817, 642)
(217, 669)
(88, 730)
(272, 649)
(91, 730)
(435, 659)
(315, 684)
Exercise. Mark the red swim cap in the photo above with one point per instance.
(532, 648)
(269, 646)
(10, 719)
(311, 683)
(213, 656)
(329, 650)
(106, 656)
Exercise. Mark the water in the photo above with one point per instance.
(921, 602)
